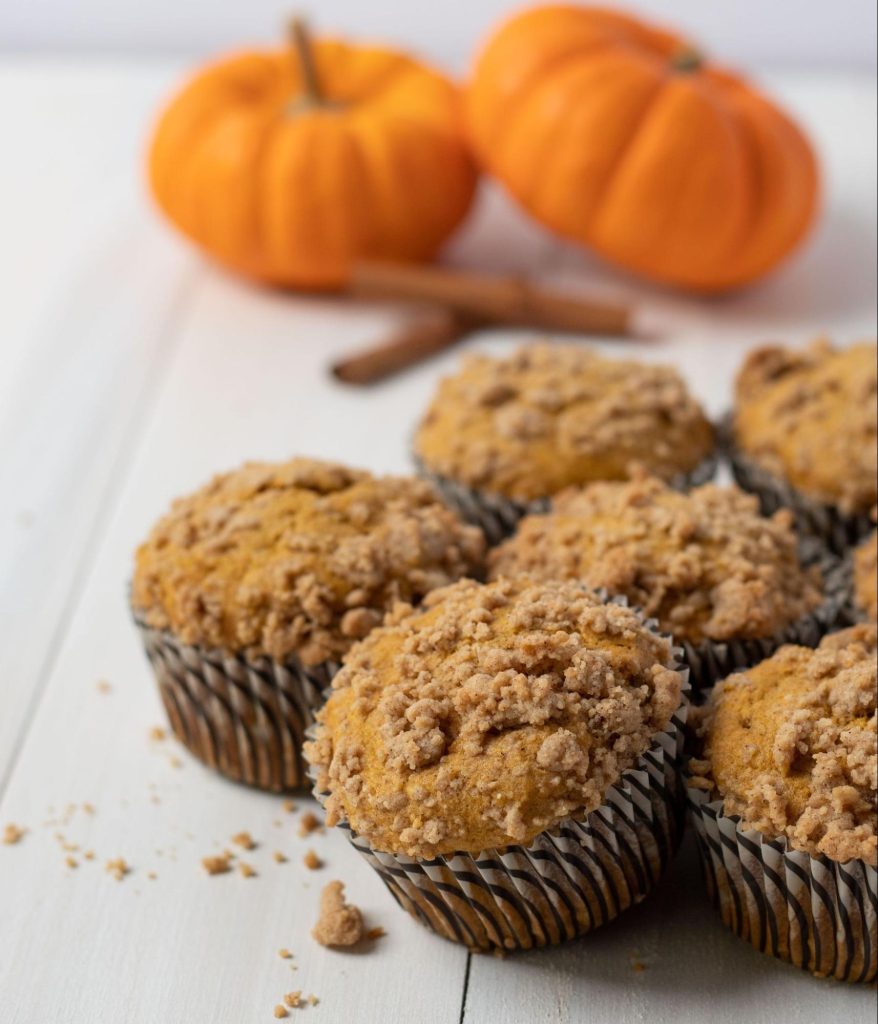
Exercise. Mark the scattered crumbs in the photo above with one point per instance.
(340, 923)
(313, 1000)
(151, 875)
(89, 855)
(244, 840)
(280, 1011)
(289, 806)
(218, 865)
(293, 999)
(71, 862)
(88, 808)
(13, 834)
(246, 870)
(118, 868)
(157, 734)
(375, 933)
(279, 858)
(285, 954)
(104, 686)
(312, 861)
(308, 823)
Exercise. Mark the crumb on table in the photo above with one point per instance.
(118, 868)
(285, 954)
(13, 834)
(246, 870)
(312, 861)
(157, 734)
(293, 999)
(217, 865)
(289, 806)
(244, 840)
(280, 1011)
(279, 858)
(340, 923)
(308, 823)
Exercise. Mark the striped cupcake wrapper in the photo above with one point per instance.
(710, 661)
(810, 911)
(498, 516)
(837, 530)
(568, 880)
(246, 718)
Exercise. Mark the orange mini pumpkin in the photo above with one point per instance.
(620, 136)
(288, 166)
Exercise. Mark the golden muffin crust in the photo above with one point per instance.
(790, 745)
(489, 715)
(866, 576)
(809, 417)
(705, 564)
(301, 557)
(551, 416)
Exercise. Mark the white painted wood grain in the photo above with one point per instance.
(243, 376)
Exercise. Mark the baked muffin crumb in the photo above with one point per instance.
(340, 923)
(791, 746)
(13, 834)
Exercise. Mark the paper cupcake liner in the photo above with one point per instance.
(709, 661)
(810, 911)
(568, 880)
(244, 717)
(838, 531)
(498, 516)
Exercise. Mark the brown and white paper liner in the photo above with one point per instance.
(568, 880)
(709, 661)
(498, 516)
(838, 530)
(244, 717)
(810, 911)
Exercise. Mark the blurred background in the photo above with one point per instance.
(748, 32)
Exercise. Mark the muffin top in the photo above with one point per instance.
(301, 557)
(790, 745)
(809, 416)
(705, 564)
(489, 715)
(866, 577)
(551, 416)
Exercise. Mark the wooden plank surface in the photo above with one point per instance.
(137, 372)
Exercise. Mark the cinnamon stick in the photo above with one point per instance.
(490, 298)
(424, 335)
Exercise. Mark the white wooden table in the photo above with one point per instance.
(129, 371)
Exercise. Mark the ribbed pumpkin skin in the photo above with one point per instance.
(291, 195)
(688, 177)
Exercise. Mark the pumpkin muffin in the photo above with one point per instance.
(523, 427)
(866, 577)
(806, 422)
(484, 720)
(705, 564)
(287, 564)
(789, 752)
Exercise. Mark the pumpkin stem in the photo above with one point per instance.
(300, 39)
(687, 59)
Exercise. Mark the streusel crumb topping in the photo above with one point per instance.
(301, 557)
(866, 577)
(790, 745)
(340, 923)
(809, 416)
(490, 715)
(550, 416)
(705, 564)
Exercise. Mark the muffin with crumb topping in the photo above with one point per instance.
(804, 434)
(865, 560)
(783, 797)
(249, 592)
(504, 435)
(507, 723)
(728, 583)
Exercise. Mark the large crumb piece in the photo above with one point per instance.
(308, 823)
(13, 834)
(118, 868)
(244, 840)
(340, 923)
(280, 1011)
(217, 865)
(293, 999)
(312, 861)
